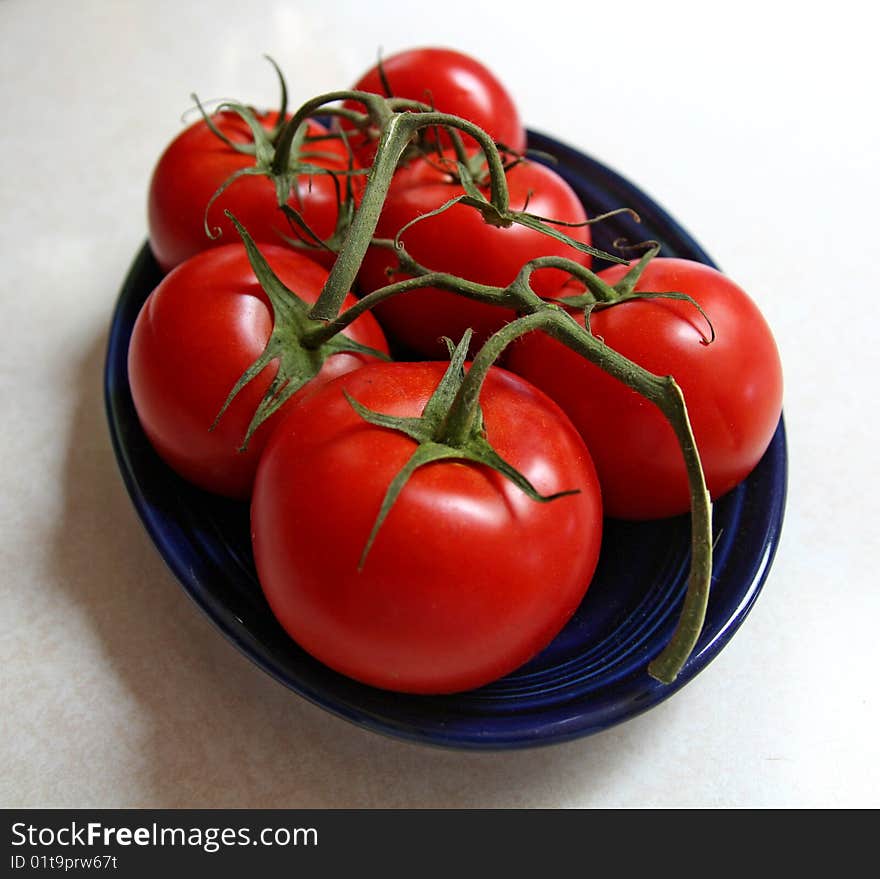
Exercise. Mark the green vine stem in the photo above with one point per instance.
(517, 296)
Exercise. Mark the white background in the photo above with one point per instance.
(755, 124)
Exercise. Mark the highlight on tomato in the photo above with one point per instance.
(715, 344)
(465, 577)
(198, 332)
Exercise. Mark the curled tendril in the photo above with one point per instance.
(623, 247)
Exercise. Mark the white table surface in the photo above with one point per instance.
(756, 126)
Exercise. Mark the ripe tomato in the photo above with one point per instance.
(450, 82)
(197, 333)
(196, 163)
(460, 242)
(467, 577)
(732, 387)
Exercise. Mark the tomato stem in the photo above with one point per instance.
(465, 408)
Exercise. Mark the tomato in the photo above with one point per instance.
(197, 333)
(451, 82)
(460, 242)
(732, 387)
(195, 165)
(467, 577)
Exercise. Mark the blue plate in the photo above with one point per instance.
(593, 675)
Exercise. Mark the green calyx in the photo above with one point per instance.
(472, 172)
(599, 295)
(298, 362)
(447, 430)
(285, 155)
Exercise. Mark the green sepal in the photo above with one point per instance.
(469, 183)
(668, 294)
(383, 77)
(627, 283)
(253, 171)
(483, 453)
(307, 238)
(522, 218)
(426, 453)
(588, 303)
(505, 219)
(282, 102)
(285, 180)
(426, 216)
(247, 149)
(345, 204)
(414, 428)
(342, 344)
(475, 198)
(311, 241)
(440, 402)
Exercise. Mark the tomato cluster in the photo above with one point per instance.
(422, 521)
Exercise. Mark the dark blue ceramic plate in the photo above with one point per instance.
(593, 675)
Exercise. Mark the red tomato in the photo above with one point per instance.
(459, 241)
(197, 163)
(196, 334)
(467, 578)
(732, 388)
(450, 82)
